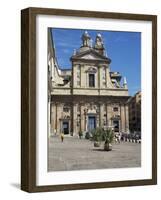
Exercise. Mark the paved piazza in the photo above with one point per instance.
(76, 154)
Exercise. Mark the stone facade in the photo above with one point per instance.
(134, 104)
(88, 95)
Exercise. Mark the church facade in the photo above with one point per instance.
(89, 94)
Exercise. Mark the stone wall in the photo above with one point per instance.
(76, 114)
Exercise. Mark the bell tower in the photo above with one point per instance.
(99, 46)
(86, 39)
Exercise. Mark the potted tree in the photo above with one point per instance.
(97, 136)
(108, 137)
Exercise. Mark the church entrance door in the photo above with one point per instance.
(116, 125)
(91, 123)
(66, 127)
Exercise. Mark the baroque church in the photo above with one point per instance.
(89, 94)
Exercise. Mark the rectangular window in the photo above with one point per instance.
(91, 80)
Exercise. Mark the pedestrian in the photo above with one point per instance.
(62, 136)
(119, 137)
(55, 132)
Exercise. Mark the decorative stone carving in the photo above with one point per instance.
(99, 46)
(91, 70)
(86, 39)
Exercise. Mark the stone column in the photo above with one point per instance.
(107, 115)
(83, 81)
(53, 117)
(106, 77)
(122, 116)
(119, 125)
(74, 118)
(101, 115)
(105, 68)
(108, 111)
(86, 122)
(74, 75)
(98, 80)
(49, 119)
(100, 77)
(127, 118)
(58, 116)
(87, 81)
(82, 128)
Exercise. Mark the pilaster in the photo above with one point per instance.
(108, 111)
(100, 77)
(53, 117)
(100, 114)
(127, 118)
(122, 116)
(82, 118)
(58, 116)
(74, 118)
(74, 74)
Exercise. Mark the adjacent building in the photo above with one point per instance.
(135, 113)
(88, 94)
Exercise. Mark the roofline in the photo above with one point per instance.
(104, 58)
(68, 69)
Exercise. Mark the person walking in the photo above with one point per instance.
(62, 137)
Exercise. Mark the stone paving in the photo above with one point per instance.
(76, 154)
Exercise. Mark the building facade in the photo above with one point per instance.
(88, 94)
(134, 104)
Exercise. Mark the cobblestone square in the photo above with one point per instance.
(80, 154)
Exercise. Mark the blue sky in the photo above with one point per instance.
(123, 48)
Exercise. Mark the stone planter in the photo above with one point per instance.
(108, 147)
(97, 144)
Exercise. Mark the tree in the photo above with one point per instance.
(101, 135)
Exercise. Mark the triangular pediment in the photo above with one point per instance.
(89, 55)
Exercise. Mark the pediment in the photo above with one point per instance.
(89, 55)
